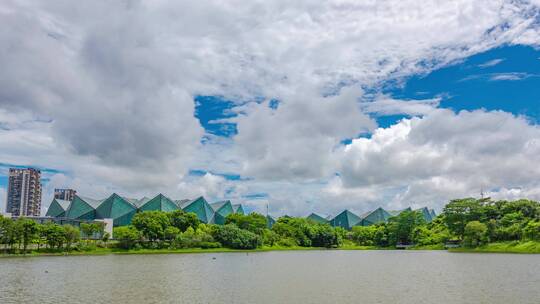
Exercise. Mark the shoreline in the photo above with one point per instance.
(507, 248)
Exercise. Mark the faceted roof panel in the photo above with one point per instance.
(221, 209)
(57, 208)
(82, 208)
(238, 208)
(117, 208)
(182, 203)
(160, 202)
(201, 208)
(426, 213)
(316, 218)
(63, 203)
(376, 216)
(345, 219)
(94, 203)
(140, 202)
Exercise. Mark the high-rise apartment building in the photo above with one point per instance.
(64, 194)
(24, 192)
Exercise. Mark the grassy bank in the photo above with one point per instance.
(505, 247)
(106, 251)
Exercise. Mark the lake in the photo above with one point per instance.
(332, 276)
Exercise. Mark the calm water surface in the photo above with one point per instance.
(274, 277)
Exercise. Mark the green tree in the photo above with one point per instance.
(323, 235)
(41, 235)
(87, 230)
(71, 235)
(200, 238)
(233, 237)
(532, 231)
(98, 228)
(475, 234)
(183, 220)
(7, 232)
(433, 233)
(54, 235)
(127, 236)
(364, 235)
(296, 229)
(28, 230)
(459, 212)
(171, 233)
(253, 222)
(151, 224)
(269, 237)
(401, 227)
(381, 236)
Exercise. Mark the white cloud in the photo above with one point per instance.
(103, 91)
(509, 76)
(296, 140)
(445, 155)
(385, 105)
(491, 63)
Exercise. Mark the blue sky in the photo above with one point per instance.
(330, 106)
(506, 78)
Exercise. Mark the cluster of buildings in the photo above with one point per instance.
(24, 192)
(24, 199)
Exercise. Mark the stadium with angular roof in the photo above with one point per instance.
(122, 209)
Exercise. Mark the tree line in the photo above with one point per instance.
(178, 229)
(24, 234)
(470, 222)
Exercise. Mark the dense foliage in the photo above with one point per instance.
(469, 222)
(17, 236)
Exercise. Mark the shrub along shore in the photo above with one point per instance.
(474, 225)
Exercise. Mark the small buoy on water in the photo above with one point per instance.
(46, 271)
(213, 258)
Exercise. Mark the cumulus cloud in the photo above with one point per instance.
(296, 140)
(445, 155)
